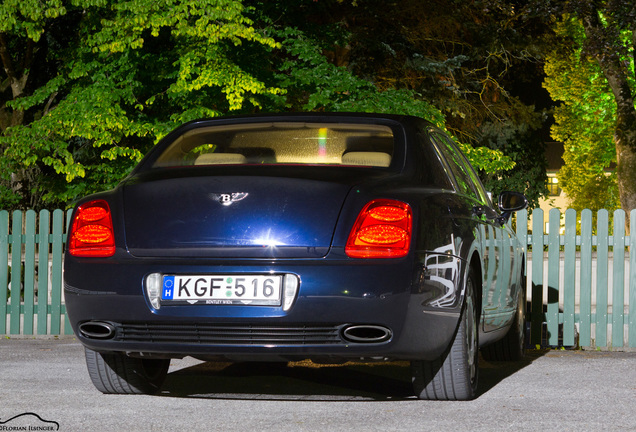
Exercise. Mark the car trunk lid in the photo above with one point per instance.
(231, 216)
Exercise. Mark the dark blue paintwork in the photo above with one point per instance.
(295, 220)
(187, 221)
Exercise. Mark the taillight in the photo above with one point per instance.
(92, 232)
(382, 230)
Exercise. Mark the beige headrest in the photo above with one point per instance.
(220, 159)
(379, 159)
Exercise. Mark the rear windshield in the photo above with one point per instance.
(282, 143)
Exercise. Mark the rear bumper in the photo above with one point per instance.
(382, 296)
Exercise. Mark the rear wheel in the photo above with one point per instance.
(455, 376)
(116, 373)
(513, 346)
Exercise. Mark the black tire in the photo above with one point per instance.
(454, 376)
(116, 373)
(513, 346)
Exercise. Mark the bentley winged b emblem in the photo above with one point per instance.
(227, 199)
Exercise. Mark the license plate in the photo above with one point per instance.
(254, 290)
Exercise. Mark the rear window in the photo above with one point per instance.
(282, 143)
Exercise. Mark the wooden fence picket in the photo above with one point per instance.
(29, 273)
(618, 291)
(56, 270)
(4, 268)
(554, 260)
(16, 271)
(43, 272)
(631, 328)
(569, 278)
(602, 260)
(536, 314)
(585, 295)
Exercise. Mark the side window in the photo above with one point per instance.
(466, 171)
(456, 164)
(481, 191)
(435, 171)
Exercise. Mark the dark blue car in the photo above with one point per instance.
(329, 237)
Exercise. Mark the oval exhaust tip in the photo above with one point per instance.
(97, 330)
(367, 333)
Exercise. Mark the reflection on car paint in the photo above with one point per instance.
(442, 269)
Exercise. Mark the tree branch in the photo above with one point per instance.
(17, 83)
(47, 108)
(614, 70)
(6, 58)
(28, 57)
(634, 48)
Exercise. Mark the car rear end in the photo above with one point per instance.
(263, 239)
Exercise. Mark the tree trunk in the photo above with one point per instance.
(604, 49)
(625, 139)
(17, 78)
(624, 135)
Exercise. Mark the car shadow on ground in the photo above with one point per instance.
(306, 381)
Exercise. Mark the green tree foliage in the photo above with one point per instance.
(111, 78)
(464, 55)
(124, 74)
(458, 56)
(315, 84)
(599, 39)
(584, 121)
